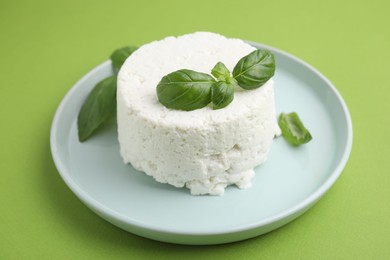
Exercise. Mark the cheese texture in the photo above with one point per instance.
(205, 150)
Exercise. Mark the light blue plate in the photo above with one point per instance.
(284, 187)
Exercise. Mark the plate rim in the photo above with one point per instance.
(303, 205)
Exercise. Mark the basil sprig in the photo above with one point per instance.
(189, 91)
(100, 103)
(293, 129)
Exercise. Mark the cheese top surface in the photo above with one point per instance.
(140, 74)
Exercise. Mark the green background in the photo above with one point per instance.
(46, 46)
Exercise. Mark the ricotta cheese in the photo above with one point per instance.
(204, 150)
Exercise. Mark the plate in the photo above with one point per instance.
(285, 186)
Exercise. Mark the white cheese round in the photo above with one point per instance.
(204, 149)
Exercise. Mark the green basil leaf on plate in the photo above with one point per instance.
(185, 90)
(119, 56)
(254, 69)
(222, 94)
(293, 129)
(99, 105)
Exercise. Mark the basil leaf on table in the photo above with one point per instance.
(293, 129)
(119, 56)
(97, 108)
(222, 94)
(254, 69)
(185, 90)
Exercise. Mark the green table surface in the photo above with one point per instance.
(46, 46)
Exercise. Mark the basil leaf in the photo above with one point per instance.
(293, 129)
(185, 90)
(222, 94)
(119, 56)
(99, 105)
(220, 71)
(255, 69)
